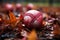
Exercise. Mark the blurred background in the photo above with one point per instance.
(37, 2)
(12, 25)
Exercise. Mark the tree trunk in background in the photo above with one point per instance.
(51, 2)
